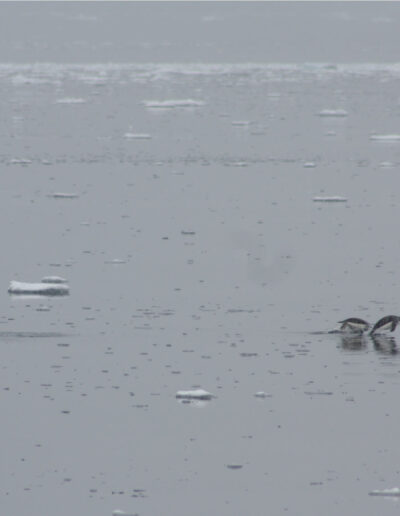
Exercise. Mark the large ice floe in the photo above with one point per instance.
(48, 286)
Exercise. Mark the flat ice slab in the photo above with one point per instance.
(41, 289)
(195, 394)
(329, 198)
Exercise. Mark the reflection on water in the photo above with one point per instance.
(385, 344)
(353, 341)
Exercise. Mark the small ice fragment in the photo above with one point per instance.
(309, 164)
(261, 394)
(20, 161)
(118, 512)
(195, 394)
(234, 466)
(385, 137)
(236, 164)
(386, 164)
(173, 103)
(115, 261)
(70, 100)
(330, 198)
(53, 279)
(41, 289)
(333, 112)
(394, 491)
(240, 123)
(137, 136)
(61, 195)
(43, 308)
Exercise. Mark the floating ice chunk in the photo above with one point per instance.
(333, 112)
(385, 137)
(173, 103)
(137, 136)
(61, 195)
(70, 100)
(115, 261)
(236, 164)
(393, 491)
(118, 512)
(309, 164)
(330, 198)
(262, 394)
(40, 289)
(386, 164)
(241, 123)
(20, 161)
(53, 279)
(195, 394)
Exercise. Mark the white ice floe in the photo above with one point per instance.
(333, 112)
(63, 195)
(385, 137)
(53, 279)
(393, 491)
(173, 103)
(70, 100)
(39, 289)
(309, 164)
(195, 394)
(137, 136)
(330, 198)
(118, 512)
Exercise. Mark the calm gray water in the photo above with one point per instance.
(192, 140)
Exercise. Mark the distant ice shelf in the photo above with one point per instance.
(44, 288)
